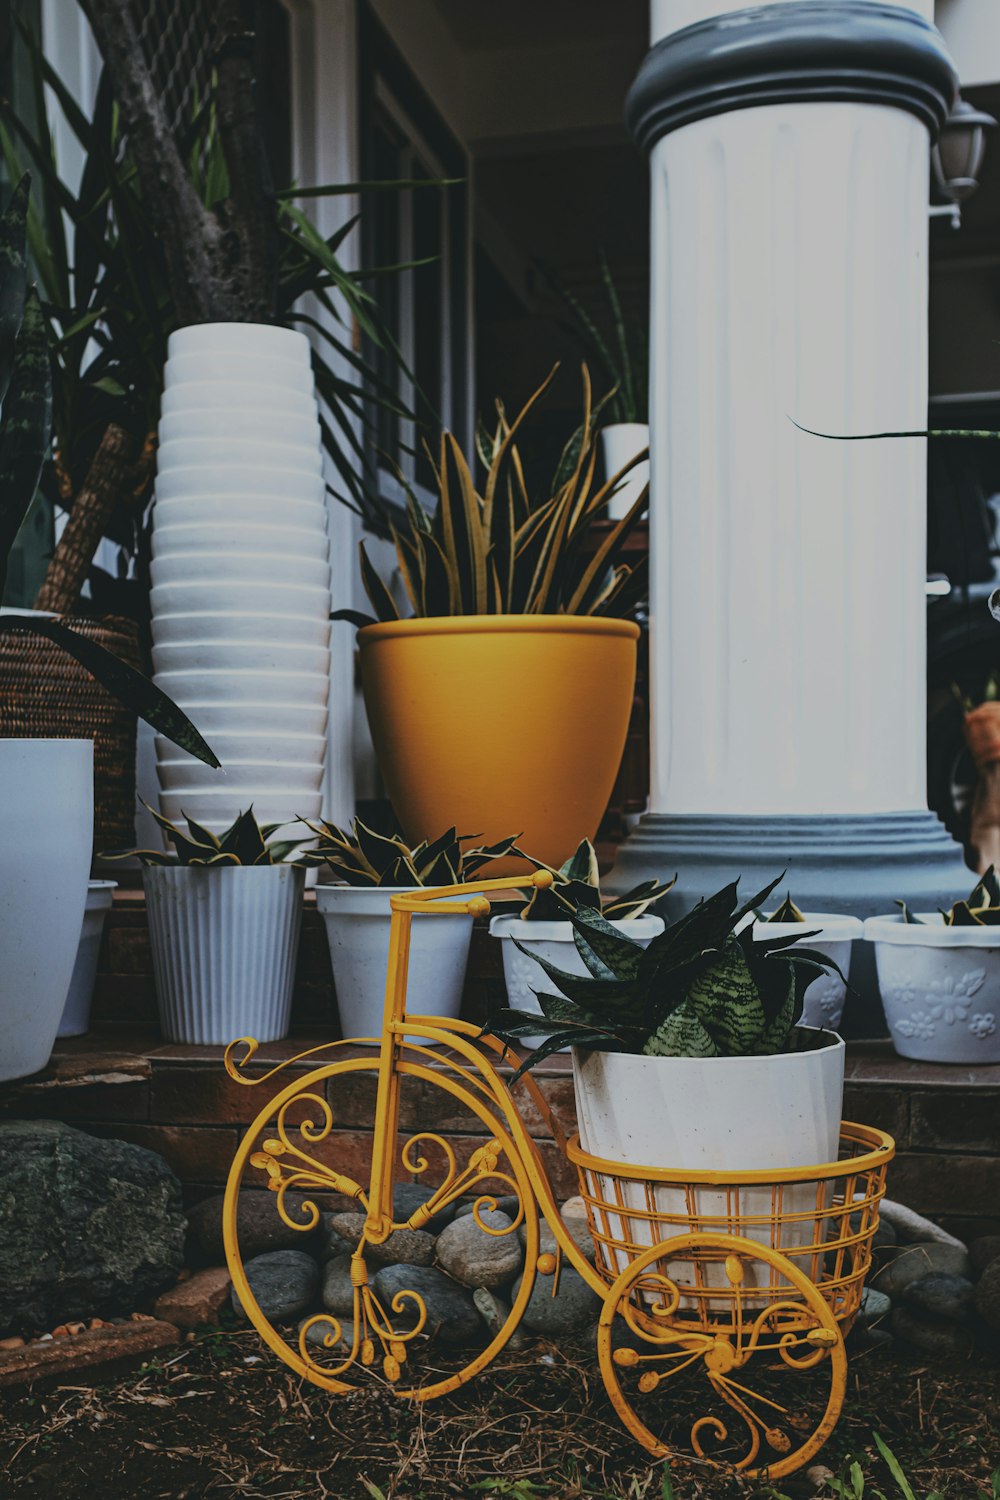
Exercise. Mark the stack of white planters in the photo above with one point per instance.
(240, 573)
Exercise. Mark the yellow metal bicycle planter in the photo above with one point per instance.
(723, 1297)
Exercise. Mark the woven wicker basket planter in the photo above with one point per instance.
(45, 694)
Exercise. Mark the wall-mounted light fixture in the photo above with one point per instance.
(957, 158)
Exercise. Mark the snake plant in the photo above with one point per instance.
(624, 358)
(705, 987)
(981, 908)
(786, 912)
(363, 857)
(578, 883)
(25, 444)
(492, 548)
(245, 842)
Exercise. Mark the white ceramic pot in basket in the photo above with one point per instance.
(357, 922)
(823, 1004)
(224, 944)
(940, 988)
(620, 442)
(76, 1012)
(552, 941)
(46, 846)
(710, 1115)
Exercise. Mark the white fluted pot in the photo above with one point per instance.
(47, 818)
(224, 944)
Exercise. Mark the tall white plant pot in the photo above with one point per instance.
(552, 941)
(619, 444)
(710, 1115)
(75, 1019)
(357, 922)
(224, 943)
(46, 846)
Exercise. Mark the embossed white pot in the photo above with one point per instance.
(224, 944)
(46, 846)
(620, 442)
(940, 987)
(357, 930)
(76, 1012)
(554, 942)
(824, 999)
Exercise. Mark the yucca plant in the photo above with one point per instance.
(245, 842)
(362, 857)
(577, 883)
(981, 908)
(702, 988)
(25, 444)
(490, 548)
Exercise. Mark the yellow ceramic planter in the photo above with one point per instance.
(500, 724)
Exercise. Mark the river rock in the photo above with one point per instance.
(259, 1225)
(573, 1308)
(912, 1228)
(284, 1283)
(988, 1296)
(408, 1196)
(494, 1312)
(508, 1204)
(929, 1336)
(875, 1306)
(940, 1295)
(319, 1331)
(577, 1228)
(338, 1289)
(476, 1258)
(984, 1251)
(451, 1312)
(332, 1243)
(914, 1261)
(88, 1227)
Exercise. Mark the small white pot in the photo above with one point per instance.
(236, 396)
(46, 846)
(308, 689)
(240, 339)
(245, 656)
(237, 479)
(243, 779)
(224, 944)
(229, 510)
(270, 745)
(216, 423)
(823, 1005)
(216, 810)
(713, 1114)
(940, 987)
(619, 443)
(552, 941)
(238, 628)
(238, 369)
(208, 454)
(271, 599)
(246, 570)
(256, 717)
(239, 535)
(357, 930)
(76, 1013)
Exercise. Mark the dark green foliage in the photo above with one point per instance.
(980, 909)
(363, 857)
(709, 986)
(578, 883)
(245, 842)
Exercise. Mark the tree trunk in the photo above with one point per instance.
(110, 475)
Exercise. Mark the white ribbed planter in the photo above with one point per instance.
(823, 1005)
(224, 944)
(357, 930)
(940, 988)
(76, 1012)
(238, 369)
(619, 443)
(47, 822)
(713, 1114)
(210, 453)
(552, 941)
(244, 340)
(243, 534)
(243, 569)
(239, 425)
(206, 395)
(238, 627)
(239, 479)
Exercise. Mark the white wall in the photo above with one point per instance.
(972, 30)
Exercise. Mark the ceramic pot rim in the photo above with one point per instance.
(594, 625)
(562, 932)
(930, 932)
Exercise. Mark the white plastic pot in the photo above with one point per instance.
(235, 627)
(226, 509)
(357, 930)
(238, 369)
(256, 717)
(283, 599)
(216, 810)
(823, 1004)
(240, 656)
(292, 778)
(210, 453)
(224, 943)
(239, 339)
(940, 988)
(239, 478)
(251, 426)
(273, 689)
(46, 846)
(713, 1114)
(76, 1012)
(239, 534)
(270, 745)
(246, 570)
(235, 396)
(619, 443)
(552, 941)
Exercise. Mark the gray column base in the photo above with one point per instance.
(858, 865)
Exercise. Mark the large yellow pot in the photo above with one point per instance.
(500, 724)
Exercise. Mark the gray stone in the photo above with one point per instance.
(875, 1305)
(494, 1312)
(988, 1296)
(409, 1196)
(319, 1331)
(338, 1289)
(451, 1312)
(509, 1205)
(259, 1225)
(577, 1229)
(913, 1261)
(333, 1244)
(573, 1308)
(912, 1228)
(88, 1227)
(410, 1247)
(477, 1258)
(940, 1295)
(884, 1236)
(984, 1251)
(929, 1336)
(284, 1282)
